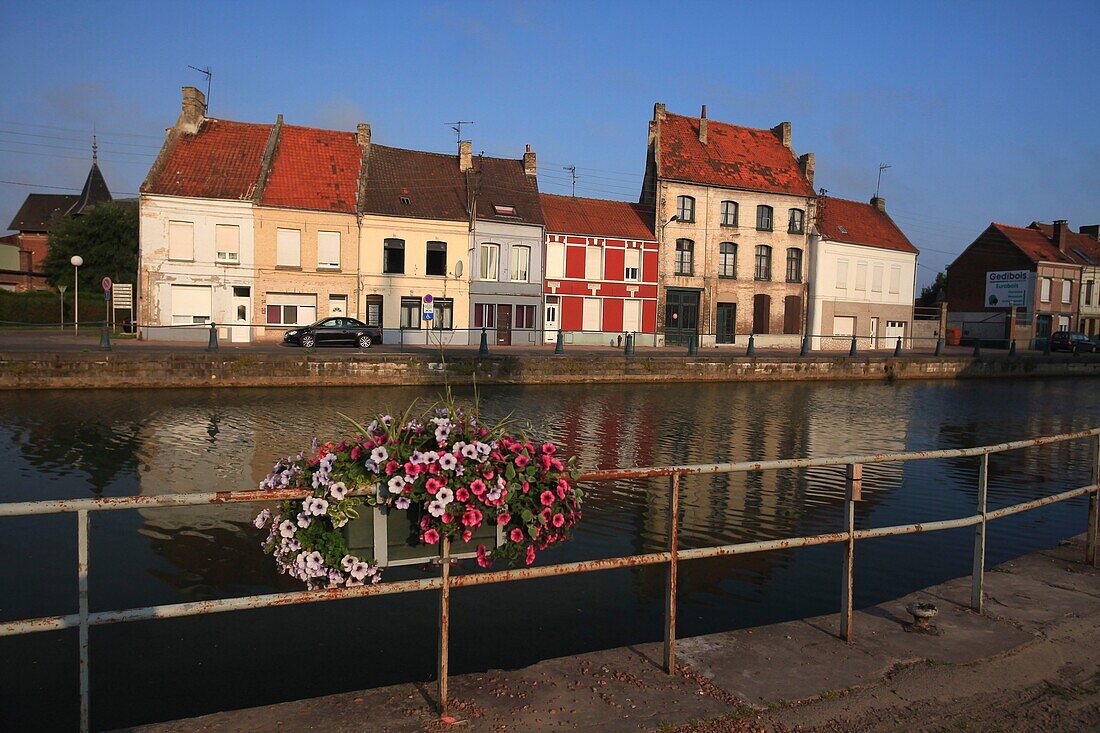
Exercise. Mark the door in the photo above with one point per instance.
(241, 331)
(894, 330)
(726, 323)
(792, 314)
(681, 316)
(873, 333)
(761, 313)
(632, 315)
(550, 320)
(504, 325)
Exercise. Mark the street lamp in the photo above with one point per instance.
(61, 289)
(76, 262)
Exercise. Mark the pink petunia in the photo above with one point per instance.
(430, 537)
(558, 520)
(526, 486)
(472, 518)
(547, 498)
(355, 453)
(530, 554)
(503, 518)
(392, 466)
(488, 475)
(482, 557)
(477, 486)
(516, 535)
(462, 495)
(556, 464)
(522, 460)
(467, 535)
(447, 518)
(433, 485)
(549, 449)
(545, 515)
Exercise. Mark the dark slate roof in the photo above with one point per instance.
(855, 222)
(41, 211)
(1032, 243)
(502, 181)
(1081, 248)
(430, 182)
(597, 217)
(95, 191)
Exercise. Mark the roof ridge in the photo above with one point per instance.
(720, 122)
(594, 198)
(352, 133)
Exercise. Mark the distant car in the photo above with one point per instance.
(336, 330)
(1068, 340)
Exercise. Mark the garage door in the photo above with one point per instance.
(190, 304)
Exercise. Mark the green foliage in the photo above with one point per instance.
(106, 237)
(44, 306)
(934, 294)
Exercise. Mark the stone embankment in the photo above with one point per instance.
(90, 369)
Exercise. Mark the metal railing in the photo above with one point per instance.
(672, 556)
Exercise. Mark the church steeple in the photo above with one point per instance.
(95, 148)
(95, 189)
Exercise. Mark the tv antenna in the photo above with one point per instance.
(573, 171)
(457, 127)
(209, 75)
(881, 168)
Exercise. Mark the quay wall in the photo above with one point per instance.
(92, 370)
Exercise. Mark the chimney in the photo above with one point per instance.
(806, 163)
(193, 112)
(879, 203)
(783, 132)
(362, 135)
(1091, 230)
(465, 155)
(1059, 234)
(659, 111)
(529, 162)
(703, 125)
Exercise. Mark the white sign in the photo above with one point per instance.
(123, 296)
(1007, 288)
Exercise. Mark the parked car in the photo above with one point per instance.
(336, 330)
(1068, 340)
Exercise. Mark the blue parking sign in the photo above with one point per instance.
(428, 315)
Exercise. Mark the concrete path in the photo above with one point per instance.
(1031, 662)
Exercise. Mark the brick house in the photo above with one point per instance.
(1046, 265)
(1084, 247)
(601, 270)
(733, 209)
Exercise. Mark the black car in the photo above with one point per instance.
(335, 330)
(1071, 341)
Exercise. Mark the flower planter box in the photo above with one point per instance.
(392, 539)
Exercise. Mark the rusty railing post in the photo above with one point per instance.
(1094, 506)
(853, 490)
(82, 588)
(978, 573)
(670, 584)
(444, 619)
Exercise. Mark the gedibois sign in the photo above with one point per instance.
(1007, 288)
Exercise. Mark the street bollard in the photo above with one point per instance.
(559, 347)
(212, 345)
(939, 347)
(1075, 348)
(852, 348)
(483, 350)
(1046, 346)
(897, 348)
(978, 349)
(628, 347)
(805, 346)
(104, 339)
(693, 345)
(751, 351)
(1012, 348)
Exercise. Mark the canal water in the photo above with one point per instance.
(98, 443)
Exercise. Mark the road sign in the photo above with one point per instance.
(428, 315)
(106, 283)
(428, 298)
(123, 296)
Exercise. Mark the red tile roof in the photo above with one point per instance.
(737, 157)
(1032, 243)
(842, 220)
(314, 169)
(597, 217)
(220, 161)
(1081, 248)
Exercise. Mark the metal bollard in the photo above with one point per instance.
(693, 345)
(559, 347)
(628, 347)
(483, 350)
(978, 349)
(1012, 348)
(751, 351)
(805, 346)
(212, 345)
(852, 348)
(897, 348)
(939, 347)
(1046, 346)
(104, 339)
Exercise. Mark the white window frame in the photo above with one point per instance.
(876, 278)
(593, 263)
(842, 274)
(632, 265)
(555, 259)
(328, 263)
(592, 314)
(334, 301)
(521, 263)
(895, 279)
(288, 247)
(227, 252)
(303, 303)
(184, 251)
(1067, 291)
(489, 261)
(861, 276)
(1044, 290)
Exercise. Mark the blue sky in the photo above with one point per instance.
(985, 111)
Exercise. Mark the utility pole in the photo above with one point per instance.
(881, 168)
(573, 171)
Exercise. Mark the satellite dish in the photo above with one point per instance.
(458, 269)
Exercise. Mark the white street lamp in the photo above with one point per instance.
(61, 289)
(76, 262)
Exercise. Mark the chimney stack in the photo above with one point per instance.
(1091, 230)
(465, 155)
(1059, 237)
(879, 203)
(783, 132)
(659, 111)
(193, 111)
(703, 125)
(362, 135)
(529, 162)
(806, 163)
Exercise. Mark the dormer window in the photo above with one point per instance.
(504, 210)
(405, 200)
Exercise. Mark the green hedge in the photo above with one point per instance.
(43, 306)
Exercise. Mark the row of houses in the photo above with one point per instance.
(260, 227)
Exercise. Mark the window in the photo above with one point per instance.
(729, 213)
(593, 263)
(1067, 291)
(1088, 292)
(842, 274)
(764, 218)
(632, 265)
(484, 315)
(410, 313)
(876, 278)
(685, 252)
(685, 208)
(1044, 290)
(555, 259)
(796, 224)
(373, 310)
(763, 262)
(328, 250)
(181, 240)
(393, 256)
(525, 316)
(242, 291)
(844, 325)
(190, 304)
(895, 279)
(632, 315)
(490, 261)
(861, 276)
(443, 314)
(337, 305)
(227, 243)
(288, 248)
(727, 260)
(436, 263)
(590, 314)
(521, 263)
(504, 210)
(794, 265)
(291, 309)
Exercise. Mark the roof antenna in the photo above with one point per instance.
(457, 127)
(209, 75)
(572, 170)
(881, 168)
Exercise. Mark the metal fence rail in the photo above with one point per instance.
(848, 536)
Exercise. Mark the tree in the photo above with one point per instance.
(106, 236)
(934, 294)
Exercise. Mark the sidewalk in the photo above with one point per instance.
(1032, 662)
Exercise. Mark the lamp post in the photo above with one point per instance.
(76, 262)
(61, 289)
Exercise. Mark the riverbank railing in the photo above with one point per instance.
(671, 556)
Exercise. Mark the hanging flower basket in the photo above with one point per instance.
(388, 495)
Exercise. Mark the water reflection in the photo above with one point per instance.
(151, 442)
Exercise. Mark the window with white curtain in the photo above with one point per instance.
(490, 261)
(288, 248)
(328, 250)
(521, 263)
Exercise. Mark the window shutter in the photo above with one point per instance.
(328, 249)
(288, 248)
(181, 240)
(227, 240)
